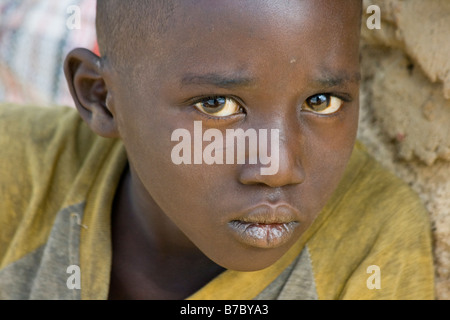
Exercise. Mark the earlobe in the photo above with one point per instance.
(87, 86)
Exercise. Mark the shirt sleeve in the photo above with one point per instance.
(399, 266)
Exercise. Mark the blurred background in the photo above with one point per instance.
(405, 93)
(35, 36)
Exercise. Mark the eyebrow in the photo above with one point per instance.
(224, 81)
(329, 80)
(233, 81)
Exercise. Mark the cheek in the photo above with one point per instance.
(328, 147)
(175, 188)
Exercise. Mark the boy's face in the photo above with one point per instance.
(286, 65)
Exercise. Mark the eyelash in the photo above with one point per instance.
(346, 98)
(208, 97)
(192, 102)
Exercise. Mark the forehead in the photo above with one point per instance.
(239, 35)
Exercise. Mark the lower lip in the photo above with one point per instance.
(262, 235)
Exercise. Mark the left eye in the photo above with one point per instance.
(219, 106)
(323, 104)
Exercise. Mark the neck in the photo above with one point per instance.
(150, 251)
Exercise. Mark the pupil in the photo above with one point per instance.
(319, 102)
(215, 103)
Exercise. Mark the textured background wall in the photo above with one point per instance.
(405, 101)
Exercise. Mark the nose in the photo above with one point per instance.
(287, 171)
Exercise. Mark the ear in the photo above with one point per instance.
(83, 73)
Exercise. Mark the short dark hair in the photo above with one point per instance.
(122, 24)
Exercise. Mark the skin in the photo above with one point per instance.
(170, 228)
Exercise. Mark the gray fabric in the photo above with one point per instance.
(16, 280)
(295, 283)
(42, 274)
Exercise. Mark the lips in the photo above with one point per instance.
(265, 226)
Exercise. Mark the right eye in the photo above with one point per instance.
(219, 106)
(323, 104)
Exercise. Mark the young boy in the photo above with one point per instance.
(149, 197)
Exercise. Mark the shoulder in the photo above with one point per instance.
(374, 219)
(42, 150)
(26, 129)
(31, 137)
(20, 121)
(382, 195)
(374, 201)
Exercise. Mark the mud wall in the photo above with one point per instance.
(405, 106)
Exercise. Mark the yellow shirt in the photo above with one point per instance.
(58, 180)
